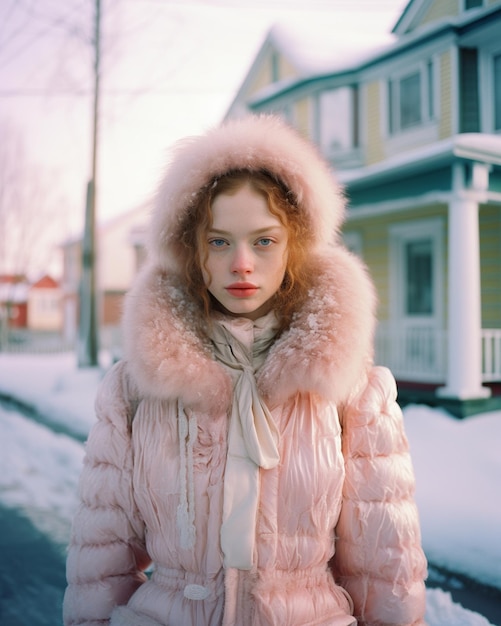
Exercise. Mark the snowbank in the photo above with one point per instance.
(457, 465)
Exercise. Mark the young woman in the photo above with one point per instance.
(245, 445)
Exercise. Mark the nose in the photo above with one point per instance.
(242, 262)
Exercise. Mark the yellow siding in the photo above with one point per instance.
(302, 116)
(263, 77)
(376, 250)
(375, 151)
(440, 9)
(445, 123)
(286, 69)
(490, 259)
(374, 236)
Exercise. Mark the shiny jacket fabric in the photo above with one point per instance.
(337, 528)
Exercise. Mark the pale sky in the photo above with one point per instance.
(169, 69)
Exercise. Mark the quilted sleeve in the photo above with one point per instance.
(106, 555)
(379, 559)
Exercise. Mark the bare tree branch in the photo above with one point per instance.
(30, 209)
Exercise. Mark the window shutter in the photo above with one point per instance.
(469, 114)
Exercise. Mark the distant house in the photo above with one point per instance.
(13, 301)
(72, 266)
(45, 311)
(120, 253)
(413, 131)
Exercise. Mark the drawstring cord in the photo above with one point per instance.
(186, 509)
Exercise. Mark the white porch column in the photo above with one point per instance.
(464, 307)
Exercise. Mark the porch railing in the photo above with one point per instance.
(414, 354)
(420, 354)
(491, 355)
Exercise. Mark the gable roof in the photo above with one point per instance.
(417, 15)
(411, 13)
(46, 282)
(346, 64)
(311, 48)
(320, 50)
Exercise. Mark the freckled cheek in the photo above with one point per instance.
(207, 273)
(285, 259)
(214, 271)
(205, 277)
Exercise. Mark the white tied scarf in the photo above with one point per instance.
(252, 440)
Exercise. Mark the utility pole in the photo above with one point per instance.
(88, 343)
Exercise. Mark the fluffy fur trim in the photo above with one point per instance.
(166, 355)
(329, 345)
(325, 351)
(253, 143)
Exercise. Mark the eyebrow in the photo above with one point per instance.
(259, 231)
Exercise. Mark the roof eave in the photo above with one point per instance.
(476, 147)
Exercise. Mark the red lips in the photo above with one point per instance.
(242, 290)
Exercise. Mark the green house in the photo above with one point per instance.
(413, 132)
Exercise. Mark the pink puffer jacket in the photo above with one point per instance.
(336, 531)
(131, 490)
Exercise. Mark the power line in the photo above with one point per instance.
(321, 5)
(8, 13)
(60, 22)
(40, 93)
(84, 93)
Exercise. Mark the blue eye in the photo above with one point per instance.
(265, 242)
(217, 243)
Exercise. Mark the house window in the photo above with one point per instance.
(338, 128)
(497, 91)
(287, 112)
(430, 77)
(416, 256)
(416, 277)
(472, 4)
(419, 277)
(469, 101)
(353, 241)
(410, 101)
(275, 67)
(411, 98)
(489, 86)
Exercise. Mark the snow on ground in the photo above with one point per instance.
(457, 465)
(54, 386)
(458, 478)
(38, 474)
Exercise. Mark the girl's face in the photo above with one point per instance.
(247, 253)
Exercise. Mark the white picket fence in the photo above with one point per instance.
(491, 355)
(420, 354)
(26, 342)
(415, 354)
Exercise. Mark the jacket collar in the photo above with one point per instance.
(325, 351)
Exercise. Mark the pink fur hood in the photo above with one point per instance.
(254, 143)
(329, 344)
